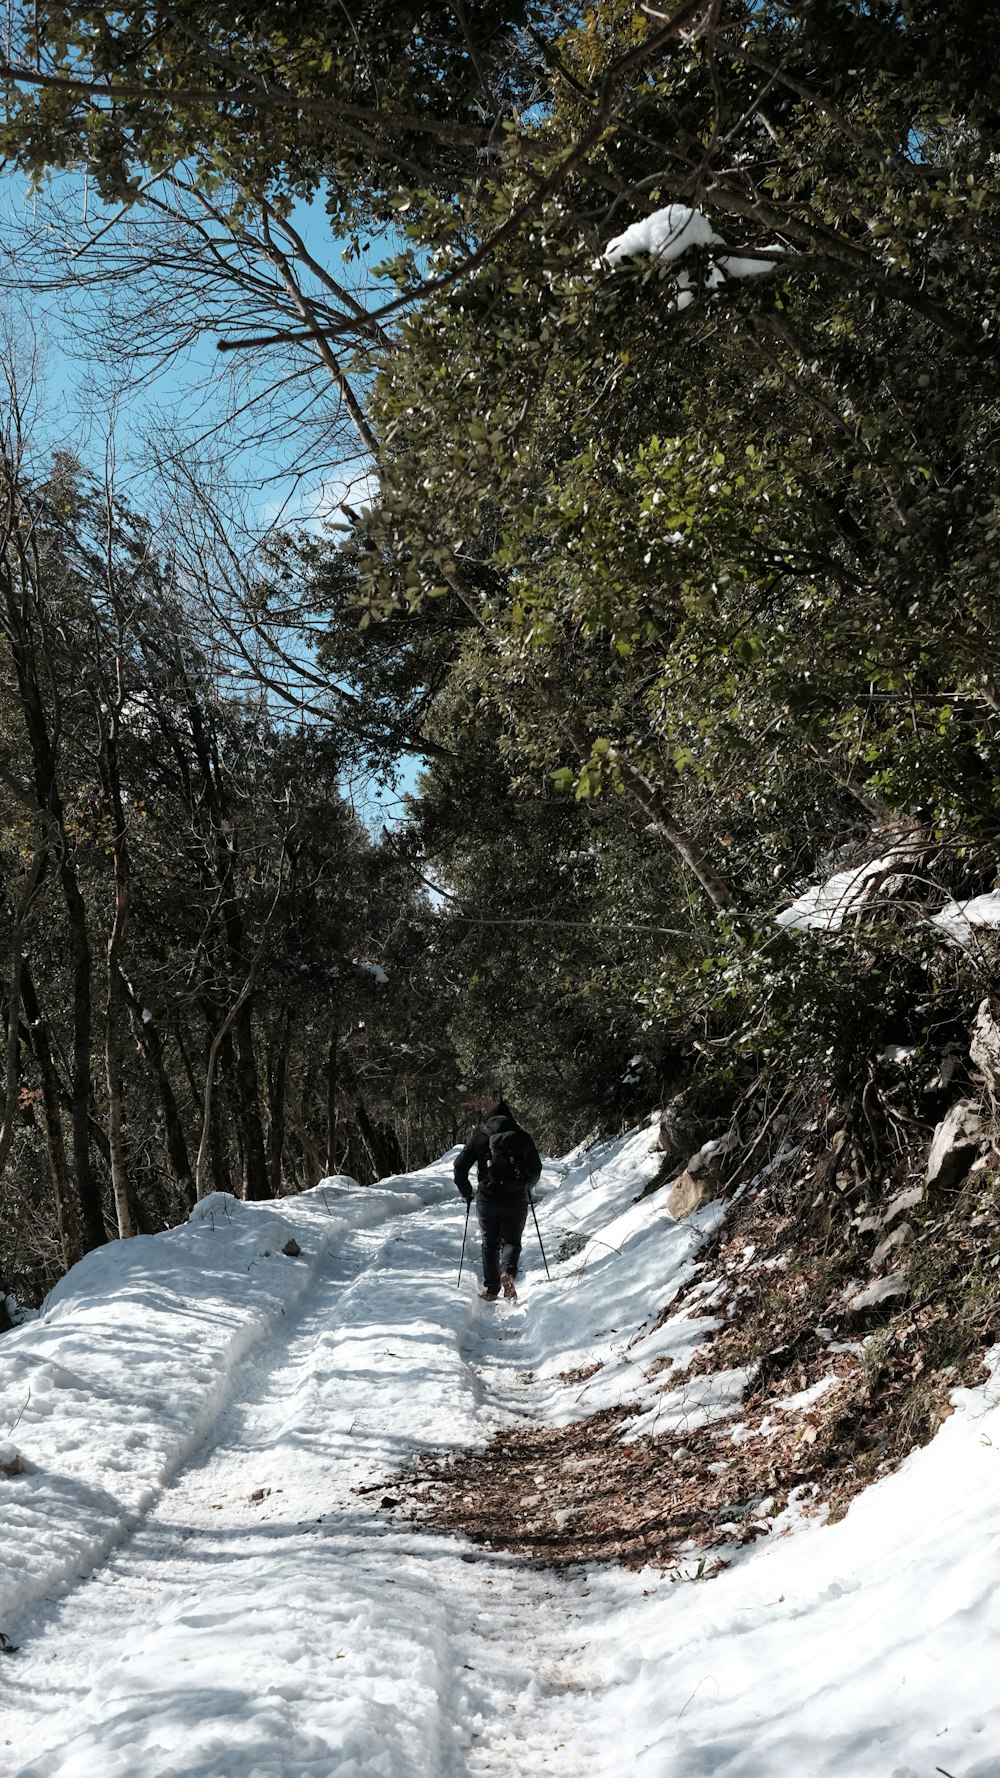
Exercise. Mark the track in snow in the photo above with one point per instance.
(307, 1632)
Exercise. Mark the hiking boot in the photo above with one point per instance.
(489, 1296)
(507, 1285)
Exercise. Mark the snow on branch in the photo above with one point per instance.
(669, 233)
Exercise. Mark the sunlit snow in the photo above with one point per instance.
(199, 1577)
(668, 233)
(961, 920)
(825, 906)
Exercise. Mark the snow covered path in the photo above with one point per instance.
(202, 1582)
(303, 1631)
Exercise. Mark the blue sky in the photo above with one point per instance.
(160, 411)
(89, 387)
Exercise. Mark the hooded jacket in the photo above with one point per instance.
(477, 1150)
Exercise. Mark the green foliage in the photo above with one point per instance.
(741, 551)
(681, 589)
(355, 103)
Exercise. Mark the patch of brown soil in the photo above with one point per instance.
(578, 1494)
(581, 1373)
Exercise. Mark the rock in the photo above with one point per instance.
(679, 1130)
(292, 1248)
(954, 1147)
(951, 1062)
(897, 1284)
(904, 1200)
(687, 1195)
(898, 1238)
(710, 1162)
(699, 1166)
(984, 1049)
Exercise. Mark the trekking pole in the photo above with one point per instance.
(538, 1232)
(465, 1232)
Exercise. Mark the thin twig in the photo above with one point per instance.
(24, 1405)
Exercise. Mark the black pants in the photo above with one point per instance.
(502, 1216)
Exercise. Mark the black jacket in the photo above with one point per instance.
(477, 1150)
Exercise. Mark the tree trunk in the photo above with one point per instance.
(362, 1164)
(221, 1168)
(661, 822)
(211, 1132)
(150, 1046)
(80, 1086)
(277, 1078)
(256, 1183)
(67, 1221)
(642, 791)
(312, 1160)
(107, 724)
(332, 1069)
(18, 626)
(12, 1073)
(383, 1147)
(113, 1071)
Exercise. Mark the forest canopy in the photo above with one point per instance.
(677, 390)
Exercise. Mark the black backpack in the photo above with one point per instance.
(507, 1167)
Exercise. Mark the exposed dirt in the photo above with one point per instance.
(578, 1494)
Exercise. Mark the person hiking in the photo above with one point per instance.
(507, 1165)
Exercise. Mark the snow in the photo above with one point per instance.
(825, 906)
(866, 1647)
(113, 1386)
(199, 1579)
(806, 1398)
(376, 970)
(668, 233)
(960, 920)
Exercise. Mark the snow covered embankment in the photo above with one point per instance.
(866, 1648)
(105, 1394)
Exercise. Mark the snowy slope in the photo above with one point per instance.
(221, 1418)
(109, 1391)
